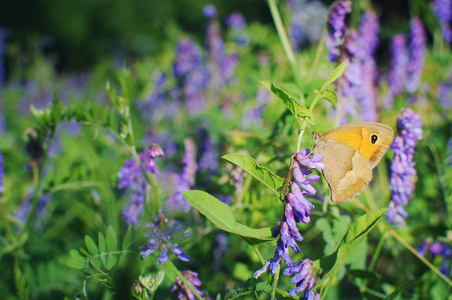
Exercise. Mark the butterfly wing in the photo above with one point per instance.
(347, 171)
(372, 140)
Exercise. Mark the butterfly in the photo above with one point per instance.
(350, 152)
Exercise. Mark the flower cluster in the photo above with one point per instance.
(132, 180)
(2, 175)
(220, 65)
(440, 249)
(23, 211)
(165, 235)
(403, 174)
(191, 75)
(306, 22)
(184, 291)
(334, 38)
(443, 11)
(445, 93)
(296, 209)
(417, 46)
(208, 153)
(407, 64)
(237, 24)
(183, 181)
(358, 86)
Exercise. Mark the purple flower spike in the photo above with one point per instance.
(417, 45)
(296, 209)
(336, 28)
(303, 278)
(165, 235)
(443, 11)
(184, 291)
(2, 175)
(209, 11)
(403, 174)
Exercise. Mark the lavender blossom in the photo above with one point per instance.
(237, 24)
(399, 69)
(221, 66)
(208, 153)
(440, 249)
(184, 291)
(165, 235)
(296, 209)
(311, 296)
(191, 75)
(209, 11)
(184, 181)
(306, 22)
(23, 211)
(132, 180)
(449, 146)
(445, 93)
(336, 28)
(3, 35)
(417, 55)
(403, 174)
(443, 11)
(2, 175)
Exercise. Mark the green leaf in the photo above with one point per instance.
(111, 261)
(336, 73)
(250, 165)
(354, 235)
(330, 95)
(221, 215)
(298, 110)
(91, 245)
(169, 267)
(112, 240)
(101, 242)
(76, 261)
(399, 290)
(127, 239)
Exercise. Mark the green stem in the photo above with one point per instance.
(186, 282)
(414, 251)
(377, 252)
(284, 41)
(275, 282)
(259, 255)
(318, 55)
(39, 172)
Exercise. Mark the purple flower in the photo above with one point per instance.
(132, 180)
(399, 68)
(440, 249)
(165, 235)
(311, 296)
(358, 85)
(188, 58)
(184, 181)
(209, 11)
(237, 23)
(449, 146)
(443, 10)
(303, 278)
(417, 46)
(306, 22)
(2, 175)
(23, 211)
(445, 93)
(208, 153)
(296, 209)
(3, 35)
(184, 291)
(403, 174)
(334, 38)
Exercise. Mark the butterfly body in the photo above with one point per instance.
(350, 152)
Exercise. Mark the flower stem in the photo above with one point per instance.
(186, 282)
(275, 282)
(414, 251)
(284, 40)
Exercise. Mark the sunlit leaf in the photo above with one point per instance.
(221, 215)
(250, 165)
